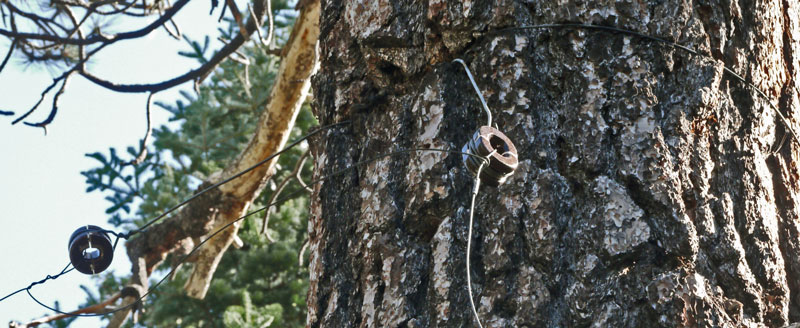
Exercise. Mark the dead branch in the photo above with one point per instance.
(8, 55)
(265, 43)
(237, 16)
(301, 253)
(143, 144)
(271, 134)
(196, 74)
(99, 307)
(94, 38)
(58, 79)
(295, 173)
(214, 209)
(54, 108)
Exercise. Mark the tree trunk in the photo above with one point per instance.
(648, 190)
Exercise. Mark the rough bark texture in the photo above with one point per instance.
(647, 191)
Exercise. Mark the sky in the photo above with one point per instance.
(42, 194)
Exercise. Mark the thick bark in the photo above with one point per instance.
(647, 192)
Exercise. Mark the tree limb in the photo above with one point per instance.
(294, 174)
(143, 144)
(196, 74)
(237, 16)
(8, 55)
(225, 204)
(99, 307)
(98, 38)
(273, 131)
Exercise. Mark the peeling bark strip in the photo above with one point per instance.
(273, 130)
(219, 207)
(647, 190)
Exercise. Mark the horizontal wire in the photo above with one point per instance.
(280, 201)
(127, 235)
(356, 165)
(291, 145)
(49, 277)
(669, 43)
(218, 184)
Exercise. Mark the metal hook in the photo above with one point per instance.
(477, 90)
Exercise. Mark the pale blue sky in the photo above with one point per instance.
(42, 194)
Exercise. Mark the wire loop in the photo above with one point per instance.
(477, 91)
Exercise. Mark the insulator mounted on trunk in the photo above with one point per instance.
(501, 152)
(90, 250)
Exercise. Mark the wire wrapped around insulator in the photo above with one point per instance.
(90, 250)
(500, 152)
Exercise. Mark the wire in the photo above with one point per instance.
(66, 269)
(477, 90)
(469, 239)
(282, 200)
(127, 235)
(216, 185)
(49, 277)
(294, 174)
(668, 43)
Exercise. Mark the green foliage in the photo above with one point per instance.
(259, 285)
(248, 316)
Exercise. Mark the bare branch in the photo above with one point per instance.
(143, 144)
(92, 8)
(261, 40)
(8, 55)
(56, 80)
(237, 16)
(177, 29)
(99, 307)
(198, 74)
(77, 29)
(300, 179)
(33, 17)
(222, 13)
(3, 15)
(54, 109)
(295, 173)
(301, 253)
(271, 26)
(99, 38)
(175, 35)
(41, 98)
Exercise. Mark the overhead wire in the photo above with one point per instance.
(126, 235)
(66, 270)
(275, 203)
(245, 171)
(354, 166)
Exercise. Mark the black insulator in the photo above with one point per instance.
(90, 250)
(493, 145)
